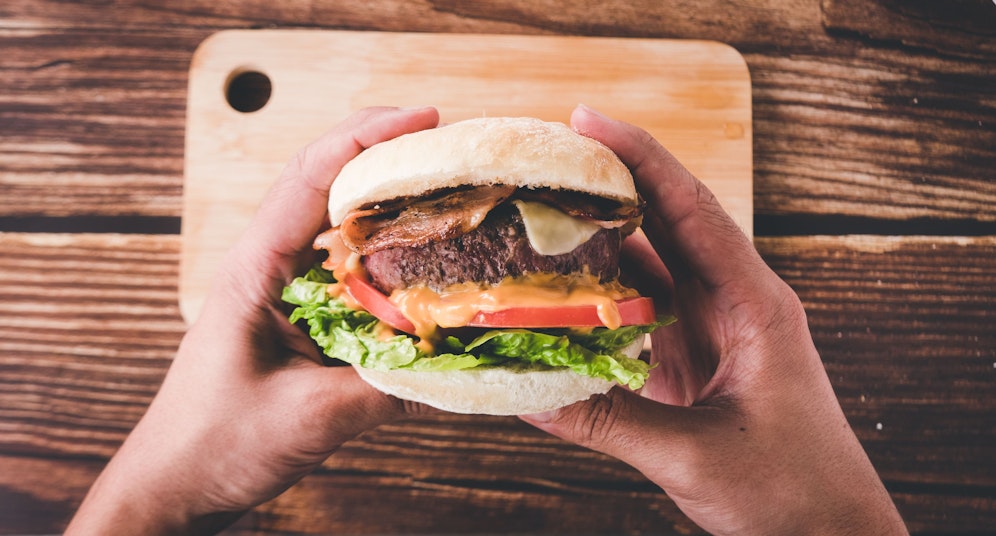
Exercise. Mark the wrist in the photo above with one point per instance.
(869, 512)
(131, 505)
(119, 503)
(849, 498)
(135, 495)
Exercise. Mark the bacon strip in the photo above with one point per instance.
(452, 213)
(420, 221)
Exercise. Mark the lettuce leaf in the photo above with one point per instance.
(354, 337)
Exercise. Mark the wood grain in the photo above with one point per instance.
(841, 127)
(91, 122)
(87, 328)
(836, 139)
(960, 27)
(906, 341)
(870, 116)
(908, 346)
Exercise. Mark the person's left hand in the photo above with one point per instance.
(246, 409)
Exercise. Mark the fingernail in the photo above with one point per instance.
(592, 111)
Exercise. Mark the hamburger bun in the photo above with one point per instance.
(515, 151)
(492, 391)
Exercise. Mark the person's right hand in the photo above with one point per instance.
(738, 422)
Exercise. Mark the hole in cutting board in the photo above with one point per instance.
(248, 91)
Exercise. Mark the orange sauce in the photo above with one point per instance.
(456, 306)
(351, 265)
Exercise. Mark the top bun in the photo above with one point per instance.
(518, 151)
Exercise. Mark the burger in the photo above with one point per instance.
(474, 267)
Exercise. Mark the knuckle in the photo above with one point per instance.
(593, 425)
(777, 317)
(792, 310)
(646, 139)
(305, 170)
(703, 195)
(301, 160)
(782, 301)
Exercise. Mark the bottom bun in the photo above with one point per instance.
(492, 391)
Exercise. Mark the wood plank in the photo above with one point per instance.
(90, 322)
(93, 97)
(904, 326)
(873, 133)
(962, 27)
(130, 15)
(88, 326)
(93, 122)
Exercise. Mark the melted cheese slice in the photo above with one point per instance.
(550, 231)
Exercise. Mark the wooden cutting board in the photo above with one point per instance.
(693, 96)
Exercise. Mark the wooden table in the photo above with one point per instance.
(875, 198)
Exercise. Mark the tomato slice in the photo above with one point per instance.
(376, 303)
(633, 311)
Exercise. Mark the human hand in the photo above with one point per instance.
(246, 409)
(738, 422)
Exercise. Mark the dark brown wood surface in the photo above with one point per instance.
(875, 198)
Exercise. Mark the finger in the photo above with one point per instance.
(643, 433)
(643, 269)
(684, 221)
(294, 210)
(673, 379)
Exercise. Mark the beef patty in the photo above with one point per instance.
(496, 249)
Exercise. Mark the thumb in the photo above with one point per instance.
(645, 434)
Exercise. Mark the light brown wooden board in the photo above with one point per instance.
(693, 96)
